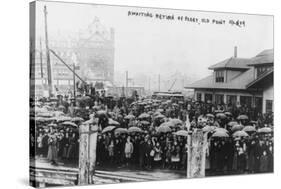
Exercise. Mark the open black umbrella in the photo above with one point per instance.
(163, 129)
(69, 123)
(108, 129)
(134, 130)
(120, 130)
(181, 133)
(249, 129)
(264, 130)
(220, 134)
(242, 117)
(240, 134)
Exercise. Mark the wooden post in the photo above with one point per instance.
(83, 155)
(92, 151)
(196, 154)
(87, 153)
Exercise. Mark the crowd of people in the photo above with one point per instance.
(155, 144)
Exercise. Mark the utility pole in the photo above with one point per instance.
(127, 80)
(49, 70)
(41, 61)
(159, 83)
(74, 87)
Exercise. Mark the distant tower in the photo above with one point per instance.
(95, 51)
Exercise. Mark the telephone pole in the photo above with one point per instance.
(127, 80)
(41, 61)
(49, 70)
(74, 83)
(159, 82)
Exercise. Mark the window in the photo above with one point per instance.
(258, 104)
(268, 106)
(220, 76)
(246, 101)
(262, 69)
(231, 99)
(208, 98)
(219, 99)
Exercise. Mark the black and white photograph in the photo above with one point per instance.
(135, 94)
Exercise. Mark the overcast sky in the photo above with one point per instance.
(156, 46)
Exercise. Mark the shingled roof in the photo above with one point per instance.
(239, 82)
(232, 63)
(265, 57)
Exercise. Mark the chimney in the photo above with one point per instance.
(235, 52)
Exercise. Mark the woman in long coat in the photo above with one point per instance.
(52, 149)
(251, 157)
(264, 162)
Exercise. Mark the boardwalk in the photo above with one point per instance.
(67, 175)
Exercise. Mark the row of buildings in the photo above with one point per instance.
(91, 52)
(239, 81)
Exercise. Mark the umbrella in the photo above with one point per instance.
(52, 125)
(168, 124)
(145, 122)
(69, 123)
(221, 129)
(157, 113)
(160, 116)
(237, 138)
(221, 115)
(42, 119)
(150, 112)
(210, 115)
(208, 128)
(237, 128)
(113, 122)
(160, 110)
(249, 129)
(242, 117)
(120, 130)
(240, 134)
(265, 130)
(228, 113)
(40, 110)
(163, 129)
(45, 114)
(134, 130)
(58, 113)
(61, 107)
(232, 123)
(77, 119)
(181, 133)
(101, 112)
(176, 121)
(63, 118)
(218, 111)
(108, 129)
(130, 116)
(144, 115)
(253, 122)
(220, 134)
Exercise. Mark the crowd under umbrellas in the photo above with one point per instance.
(149, 134)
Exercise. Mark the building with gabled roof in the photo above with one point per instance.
(239, 81)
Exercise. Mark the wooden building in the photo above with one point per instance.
(239, 81)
